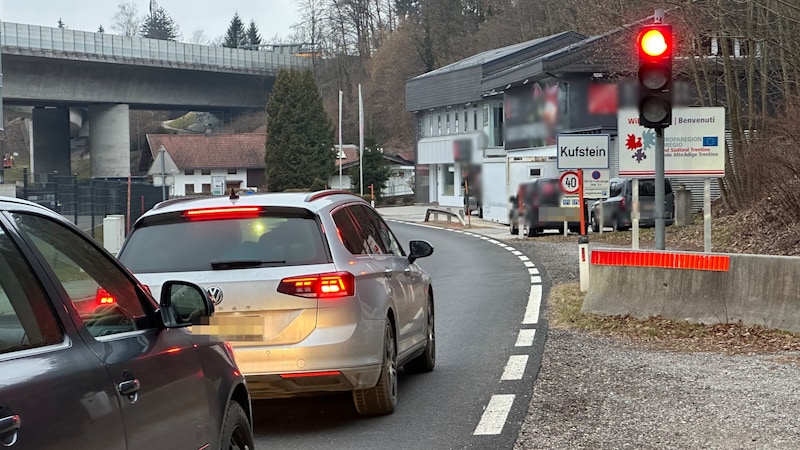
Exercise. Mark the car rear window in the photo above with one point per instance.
(183, 245)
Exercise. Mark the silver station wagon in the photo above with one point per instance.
(313, 290)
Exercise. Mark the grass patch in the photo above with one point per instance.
(564, 312)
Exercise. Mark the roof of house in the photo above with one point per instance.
(215, 151)
(351, 157)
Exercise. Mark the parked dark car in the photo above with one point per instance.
(88, 359)
(539, 207)
(618, 206)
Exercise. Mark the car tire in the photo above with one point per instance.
(595, 225)
(381, 399)
(427, 360)
(512, 227)
(237, 433)
(615, 223)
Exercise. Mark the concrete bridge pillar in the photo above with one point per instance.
(51, 149)
(109, 140)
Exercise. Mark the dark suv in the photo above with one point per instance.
(618, 207)
(89, 360)
(538, 206)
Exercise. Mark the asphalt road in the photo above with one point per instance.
(481, 293)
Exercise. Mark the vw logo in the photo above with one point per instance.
(215, 294)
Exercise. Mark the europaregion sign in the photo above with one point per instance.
(694, 145)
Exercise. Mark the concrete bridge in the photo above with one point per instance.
(77, 80)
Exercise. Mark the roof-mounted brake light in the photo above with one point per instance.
(230, 212)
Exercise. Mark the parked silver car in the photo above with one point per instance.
(89, 360)
(313, 289)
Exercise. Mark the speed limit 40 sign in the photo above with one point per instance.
(569, 182)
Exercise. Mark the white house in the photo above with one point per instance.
(401, 178)
(204, 164)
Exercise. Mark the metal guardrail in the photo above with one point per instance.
(82, 45)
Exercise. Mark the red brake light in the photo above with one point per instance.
(325, 285)
(230, 212)
(104, 298)
(622, 204)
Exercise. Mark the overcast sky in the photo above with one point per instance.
(273, 17)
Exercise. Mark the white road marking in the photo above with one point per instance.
(533, 270)
(494, 241)
(536, 279)
(517, 252)
(525, 338)
(529, 264)
(495, 414)
(534, 302)
(515, 368)
(524, 258)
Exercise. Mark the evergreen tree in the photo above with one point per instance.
(236, 34)
(299, 147)
(253, 38)
(61, 23)
(376, 172)
(100, 29)
(159, 25)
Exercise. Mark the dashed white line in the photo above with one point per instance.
(529, 264)
(494, 417)
(533, 271)
(534, 302)
(516, 252)
(525, 338)
(536, 279)
(494, 241)
(515, 368)
(524, 258)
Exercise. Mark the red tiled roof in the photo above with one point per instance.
(350, 155)
(216, 151)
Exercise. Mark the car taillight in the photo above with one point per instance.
(230, 212)
(325, 285)
(622, 204)
(104, 298)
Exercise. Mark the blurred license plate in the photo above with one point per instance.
(233, 327)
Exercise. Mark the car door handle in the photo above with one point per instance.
(128, 387)
(8, 429)
(388, 272)
(407, 271)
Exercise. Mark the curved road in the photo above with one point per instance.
(478, 394)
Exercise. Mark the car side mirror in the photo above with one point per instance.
(419, 249)
(183, 303)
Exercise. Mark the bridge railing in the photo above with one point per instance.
(49, 41)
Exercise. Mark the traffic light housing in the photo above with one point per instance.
(654, 45)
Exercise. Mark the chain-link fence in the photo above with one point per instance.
(87, 201)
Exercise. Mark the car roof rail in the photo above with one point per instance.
(173, 201)
(328, 192)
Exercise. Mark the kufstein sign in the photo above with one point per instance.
(583, 151)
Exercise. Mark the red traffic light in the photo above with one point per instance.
(653, 42)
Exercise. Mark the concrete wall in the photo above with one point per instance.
(756, 290)
(51, 140)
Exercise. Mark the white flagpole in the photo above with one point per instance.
(341, 149)
(361, 139)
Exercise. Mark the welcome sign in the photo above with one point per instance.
(694, 145)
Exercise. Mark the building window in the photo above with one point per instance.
(207, 188)
(232, 171)
(430, 123)
(188, 172)
(448, 123)
(456, 124)
(475, 117)
(493, 122)
(449, 180)
(188, 188)
(465, 121)
(439, 120)
(205, 172)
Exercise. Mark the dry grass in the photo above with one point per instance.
(564, 312)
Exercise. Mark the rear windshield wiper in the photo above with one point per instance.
(241, 263)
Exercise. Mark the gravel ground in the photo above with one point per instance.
(597, 392)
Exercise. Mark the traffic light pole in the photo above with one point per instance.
(660, 201)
